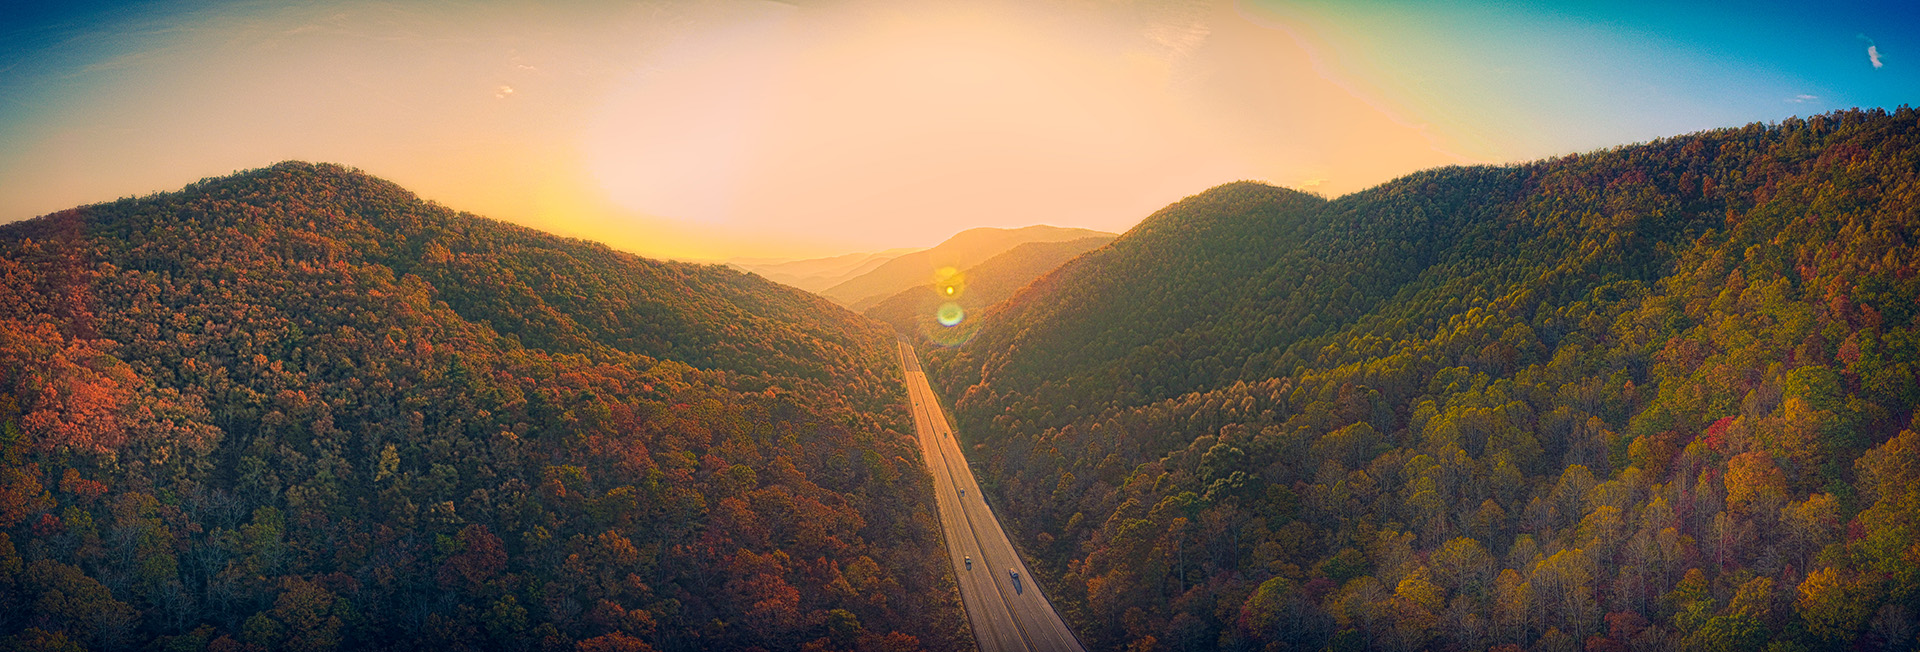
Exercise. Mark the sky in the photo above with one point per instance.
(746, 128)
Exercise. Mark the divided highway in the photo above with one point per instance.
(1006, 613)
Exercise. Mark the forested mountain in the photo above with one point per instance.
(300, 409)
(965, 249)
(816, 274)
(1654, 397)
(916, 310)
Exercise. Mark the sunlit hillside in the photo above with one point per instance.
(1654, 397)
(939, 306)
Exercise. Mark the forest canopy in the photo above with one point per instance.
(1654, 397)
(299, 408)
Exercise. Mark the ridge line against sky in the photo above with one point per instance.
(711, 130)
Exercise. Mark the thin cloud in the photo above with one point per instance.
(1873, 52)
(503, 92)
(1802, 98)
(1178, 28)
(125, 61)
(1179, 39)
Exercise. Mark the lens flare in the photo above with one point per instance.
(950, 336)
(950, 314)
(949, 283)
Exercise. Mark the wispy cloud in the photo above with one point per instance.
(503, 92)
(1802, 98)
(123, 61)
(1873, 52)
(1178, 28)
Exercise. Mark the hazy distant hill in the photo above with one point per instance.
(300, 409)
(1654, 397)
(963, 250)
(816, 274)
(979, 287)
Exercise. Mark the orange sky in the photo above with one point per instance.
(711, 130)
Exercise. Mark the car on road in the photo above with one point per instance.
(969, 562)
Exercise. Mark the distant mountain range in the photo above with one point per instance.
(965, 249)
(975, 289)
(1660, 396)
(859, 281)
(817, 274)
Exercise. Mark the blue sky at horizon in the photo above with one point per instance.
(1603, 74)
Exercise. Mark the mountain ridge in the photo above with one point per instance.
(1543, 405)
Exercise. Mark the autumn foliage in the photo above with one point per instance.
(300, 409)
(1655, 397)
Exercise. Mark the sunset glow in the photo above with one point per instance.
(720, 129)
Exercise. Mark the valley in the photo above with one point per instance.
(1654, 397)
(935, 326)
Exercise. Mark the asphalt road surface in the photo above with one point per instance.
(1006, 614)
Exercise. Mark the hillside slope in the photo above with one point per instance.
(965, 249)
(1654, 397)
(299, 408)
(977, 288)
